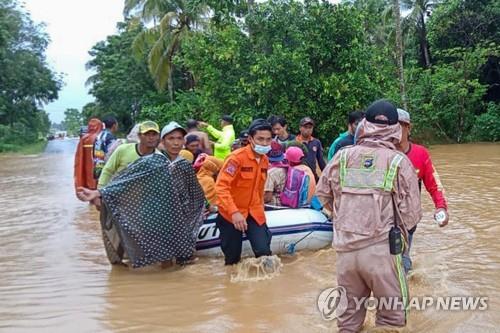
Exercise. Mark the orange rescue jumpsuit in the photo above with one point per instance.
(240, 188)
(84, 165)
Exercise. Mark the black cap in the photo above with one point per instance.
(306, 120)
(259, 125)
(243, 134)
(382, 112)
(227, 118)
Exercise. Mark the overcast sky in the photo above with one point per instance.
(74, 26)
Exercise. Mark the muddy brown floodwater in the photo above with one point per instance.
(54, 275)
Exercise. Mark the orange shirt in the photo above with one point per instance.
(240, 185)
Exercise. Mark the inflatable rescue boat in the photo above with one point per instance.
(292, 230)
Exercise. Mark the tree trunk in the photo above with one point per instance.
(424, 45)
(192, 82)
(170, 84)
(173, 48)
(250, 4)
(399, 53)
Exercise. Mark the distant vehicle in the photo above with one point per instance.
(61, 134)
(50, 137)
(83, 130)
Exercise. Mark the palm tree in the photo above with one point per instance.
(375, 25)
(416, 18)
(172, 21)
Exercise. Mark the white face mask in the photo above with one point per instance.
(261, 150)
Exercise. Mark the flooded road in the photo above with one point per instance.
(55, 277)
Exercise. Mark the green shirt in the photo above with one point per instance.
(332, 149)
(119, 160)
(225, 139)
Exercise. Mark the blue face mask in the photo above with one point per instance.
(261, 150)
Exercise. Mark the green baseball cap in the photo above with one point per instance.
(147, 126)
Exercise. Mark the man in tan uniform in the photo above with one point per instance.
(365, 187)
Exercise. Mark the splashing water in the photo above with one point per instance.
(257, 269)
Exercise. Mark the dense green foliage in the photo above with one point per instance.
(177, 59)
(303, 58)
(299, 59)
(464, 23)
(449, 97)
(26, 81)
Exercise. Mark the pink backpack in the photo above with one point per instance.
(296, 189)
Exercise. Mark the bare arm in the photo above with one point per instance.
(206, 144)
(85, 194)
(268, 196)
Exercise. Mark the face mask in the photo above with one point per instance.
(262, 150)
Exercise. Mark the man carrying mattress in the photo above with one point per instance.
(155, 206)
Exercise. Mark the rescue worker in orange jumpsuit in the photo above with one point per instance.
(240, 196)
(84, 164)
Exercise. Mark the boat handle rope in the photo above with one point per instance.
(290, 248)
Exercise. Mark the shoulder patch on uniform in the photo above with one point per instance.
(231, 168)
